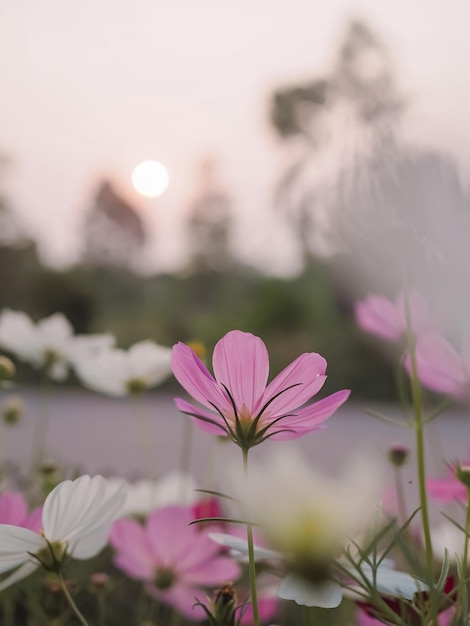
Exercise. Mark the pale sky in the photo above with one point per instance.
(94, 87)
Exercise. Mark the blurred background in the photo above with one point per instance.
(305, 152)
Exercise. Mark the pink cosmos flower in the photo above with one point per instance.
(448, 488)
(440, 367)
(241, 404)
(387, 319)
(175, 560)
(14, 511)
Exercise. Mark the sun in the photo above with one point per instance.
(150, 179)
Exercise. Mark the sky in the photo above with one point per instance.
(91, 88)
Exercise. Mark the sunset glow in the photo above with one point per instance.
(150, 179)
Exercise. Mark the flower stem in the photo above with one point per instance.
(400, 494)
(69, 599)
(42, 420)
(146, 439)
(465, 551)
(185, 453)
(418, 412)
(417, 400)
(251, 555)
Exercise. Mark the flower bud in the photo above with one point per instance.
(398, 455)
(462, 473)
(225, 602)
(7, 368)
(12, 410)
(100, 582)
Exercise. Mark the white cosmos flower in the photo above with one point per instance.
(76, 521)
(119, 372)
(326, 593)
(144, 496)
(49, 343)
(308, 519)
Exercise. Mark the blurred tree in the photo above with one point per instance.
(114, 233)
(329, 123)
(210, 223)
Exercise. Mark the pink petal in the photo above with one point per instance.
(13, 509)
(182, 598)
(194, 376)
(170, 535)
(310, 417)
(439, 365)
(307, 373)
(213, 572)
(241, 363)
(133, 551)
(34, 520)
(379, 316)
(267, 609)
(187, 407)
(446, 489)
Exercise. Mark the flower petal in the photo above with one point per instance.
(311, 417)
(214, 572)
(239, 545)
(327, 594)
(149, 362)
(194, 376)
(241, 363)
(439, 365)
(15, 543)
(13, 508)
(208, 427)
(76, 510)
(133, 551)
(379, 316)
(307, 373)
(183, 598)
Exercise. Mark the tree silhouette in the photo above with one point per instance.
(210, 223)
(113, 231)
(329, 123)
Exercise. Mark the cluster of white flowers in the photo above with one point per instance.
(51, 345)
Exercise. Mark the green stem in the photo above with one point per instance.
(69, 599)
(145, 435)
(417, 403)
(186, 448)
(400, 494)
(251, 555)
(467, 531)
(101, 609)
(417, 400)
(42, 420)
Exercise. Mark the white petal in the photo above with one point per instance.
(76, 510)
(106, 372)
(54, 329)
(241, 546)
(15, 543)
(326, 595)
(149, 362)
(22, 572)
(90, 544)
(390, 582)
(18, 334)
(87, 346)
(401, 584)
